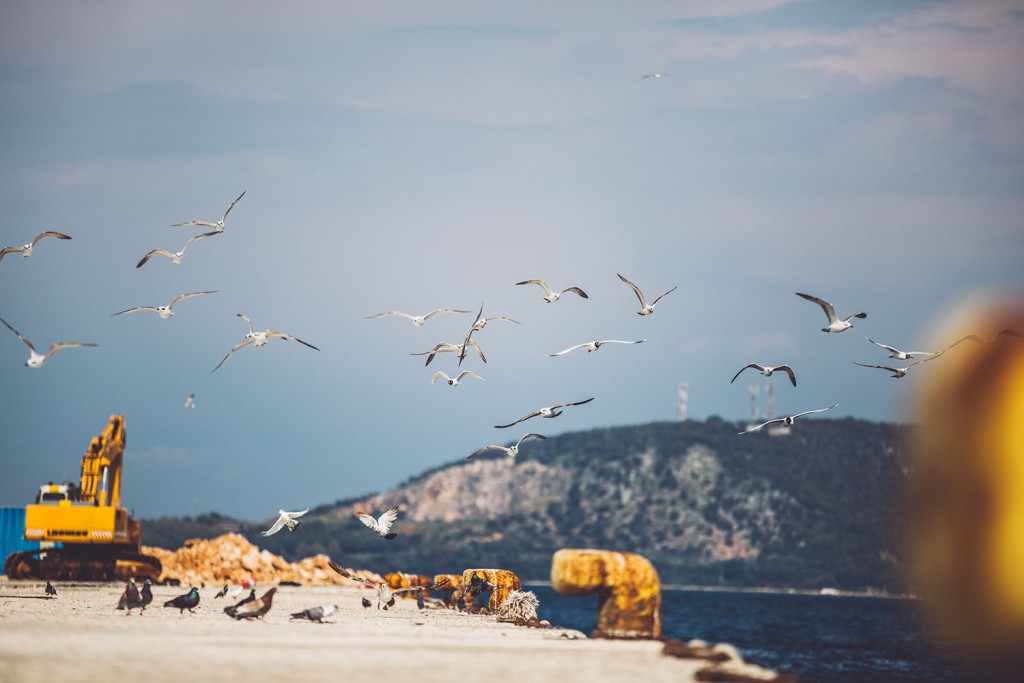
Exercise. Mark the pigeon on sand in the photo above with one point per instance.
(146, 594)
(35, 359)
(231, 609)
(130, 598)
(189, 601)
(26, 250)
(284, 519)
(316, 614)
(381, 525)
(51, 592)
(255, 609)
(385, 595)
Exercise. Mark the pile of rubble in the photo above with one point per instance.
(233, 559)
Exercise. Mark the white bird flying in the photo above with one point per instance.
(175, 257)
(788, 421)
(656, 74)
(35, 359)
(285, 519)
(510, 451)
(834, 323)
(190, 401)
(482, 322)
(903, 355)
(595, 345)
(381, 525)
(1008, 333)
(448, 347)
(645, 308)
(26, 250)
(219, 225)
(454, 382)
(164, 311)
(417, 320)
(767, 371)
(385, 595)
(552, 296)
(259, 339)
(897, 372)
(549, 411)
(469, 333)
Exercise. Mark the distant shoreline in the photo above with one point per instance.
(762, 589)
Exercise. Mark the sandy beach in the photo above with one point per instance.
(80, 636)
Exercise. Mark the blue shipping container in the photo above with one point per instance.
(12, 533)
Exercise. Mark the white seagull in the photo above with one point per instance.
(551, 296)
(454, 382)
(164, 311)
(646, 308)
(903, 355)
(176, 257)
(190, 401)
(482, 322)
(897, 372)
(656, 74)
(35, 359)
(595, 345)
(767, 371)
(510, 451)
(549, 411)
(219, 225)
(417, 320)
(469, 333)
(26, 250)
(381, 525)
(788, 421)
(284, 519)
(259, 339)
(448, 347)
(834, 323)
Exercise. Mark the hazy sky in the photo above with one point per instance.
(414, 155)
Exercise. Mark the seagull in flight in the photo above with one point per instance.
(454, 382)
(219, 225)
(190, 401)
(788, 421)
(897, 372)
(417, 320)
(595, 345)
(482, 322)
(646, 308)
(1002, 334)
(469, 333)
(176, 257)
(385, 595)
(655, 75)
(903, 355)
(551, 296)
(448, 347)
(834, 323)
(285, 519)
(510, 451)
(26, 250)
(259, 339)
(549, 411)
(164, 311)
(35, 359)
(381, 525)
(767, 371)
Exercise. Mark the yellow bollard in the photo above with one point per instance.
(505, 581)
(966, 479)
(627, 586)
(396, 580)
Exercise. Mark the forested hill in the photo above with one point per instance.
(816, 507)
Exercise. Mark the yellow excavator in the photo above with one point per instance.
(98, 540)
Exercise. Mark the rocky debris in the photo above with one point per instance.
(231, 558)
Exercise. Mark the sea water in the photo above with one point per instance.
(821, 639)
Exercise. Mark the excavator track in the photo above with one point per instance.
(76, 564)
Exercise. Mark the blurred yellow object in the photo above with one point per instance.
(967, 486)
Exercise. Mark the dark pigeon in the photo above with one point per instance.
(51, 592)
(188, 601)
(130, 599)
(222, 592)
(316, 614)
(230, 610)
(366, 603)
(146, 595)
(256, 608)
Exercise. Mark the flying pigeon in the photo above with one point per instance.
(255, 609)
(381, 525)
(51, 592)
(834, 323)
(26, 250)
(146, 595)
(788, 421)
(552, 296)
(36, 360)
(767, 371)
(510, 451)
(284, 519)
(549, 411)
(417, 320)
(645, 308)
(316, 614)
(231, 609)
(175, 257)
(188, 601)
(130, 598)
(219, 225)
